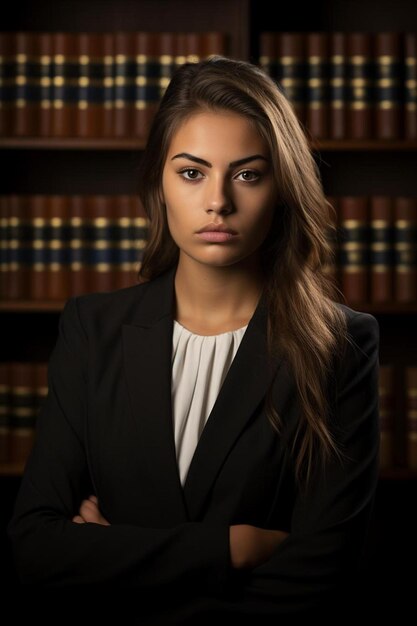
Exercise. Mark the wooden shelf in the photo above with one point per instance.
(398, 473)
(32, 306)
(53, 143)
(11, 469)
(75, 143)
(393, 145)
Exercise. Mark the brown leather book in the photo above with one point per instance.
(147, 79)
(5, 419)
(99, 245)
(410, 82)
(58, 247)
(411, 416)
(282, 56)
(90, 91)
(360, 83)
(64, 84)
(125, 83)
(78, 245)
(317, 85)
(381, 249)
(4, 245)
(8, 71)
(44, 113)
(23, 411)
(338, 101)
(354, 248)
(405, 248)
(27, 94)
(19, 270)
(386, 414)
(388, 86)
(38, 285)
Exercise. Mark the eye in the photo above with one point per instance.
(189, 173)
(249, 176)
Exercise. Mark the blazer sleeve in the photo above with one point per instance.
(316, 565)
(48, 548)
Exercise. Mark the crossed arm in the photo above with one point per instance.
(249, 546)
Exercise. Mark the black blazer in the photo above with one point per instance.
(106, 428)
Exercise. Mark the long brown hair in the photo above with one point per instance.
(304, 323)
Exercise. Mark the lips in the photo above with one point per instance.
(216, 233)
(217, 228)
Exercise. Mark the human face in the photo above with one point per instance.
(218, 171)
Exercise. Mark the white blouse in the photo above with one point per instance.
(199, 366)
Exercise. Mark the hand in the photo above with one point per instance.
(251, 546)
(89, 512)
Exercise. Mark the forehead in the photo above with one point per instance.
(218, 133)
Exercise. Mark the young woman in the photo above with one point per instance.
(210, 436)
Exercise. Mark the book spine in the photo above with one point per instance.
(353, 247)
(89, 116)
(386, 416)
(293, 63)
(360, 85)
(405, 248)
(65, 84)
(27, 100)
(77, 245)
(39, 275)
(317, 92)
(108, 83)
(410, 85)
(8, 73)
(58, 247)
(337, 86)
(17, 287)
(5, 419)
(44, 122)
(125, 87)
(411, 416)
(4, 245)
(100, 270)
(23, 413)
(388, 86)
(147, 89)
(380, 249)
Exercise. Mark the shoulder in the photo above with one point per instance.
(103, 309)
(361, 326)
(360, 352)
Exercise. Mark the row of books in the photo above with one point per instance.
(341, 85)
(398, 386)
(54, 246)
(376, 247)
(62, 84)
(24, 386)
(347, 85)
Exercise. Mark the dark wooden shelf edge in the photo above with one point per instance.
(53, 143)
(76, 143)
(39, 306)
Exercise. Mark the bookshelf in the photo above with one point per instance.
(72, 165)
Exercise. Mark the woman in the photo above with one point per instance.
(210, 436)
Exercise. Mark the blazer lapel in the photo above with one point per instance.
(242, 391)
(147, 356)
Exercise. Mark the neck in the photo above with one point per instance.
(217, 296)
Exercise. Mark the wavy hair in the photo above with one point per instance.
(304, 322)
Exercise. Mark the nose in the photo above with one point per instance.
(218, 197)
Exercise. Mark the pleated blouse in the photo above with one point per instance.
(199, 366)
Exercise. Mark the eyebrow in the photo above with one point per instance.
(191, 157)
